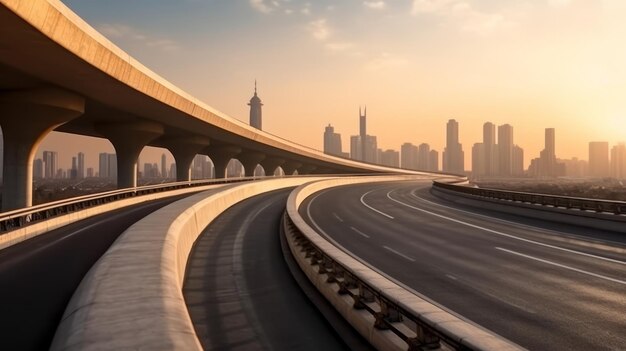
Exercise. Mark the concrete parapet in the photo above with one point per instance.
(132, 297)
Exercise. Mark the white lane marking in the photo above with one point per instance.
(360, 232)
(372, 208)
(563, 266)
(337, 216)
(506, 235)
(595, 240)
(399, 254)
(451, 276)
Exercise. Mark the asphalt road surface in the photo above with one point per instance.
(39, 276)
(241, 294)
(542, 285)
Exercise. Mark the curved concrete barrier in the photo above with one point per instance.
(588, 219)
(380, 309)
(132, 297)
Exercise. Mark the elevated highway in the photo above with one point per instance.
(58, 73)
(541, 285)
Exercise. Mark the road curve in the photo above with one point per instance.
(241, 294)
(39, 276)
(541, 288)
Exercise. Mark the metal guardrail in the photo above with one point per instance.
(409, 326)
(566, 202)
(29, 215)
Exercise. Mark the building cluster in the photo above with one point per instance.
(364, 148)
(497, 157)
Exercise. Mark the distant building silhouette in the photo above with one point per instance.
(618, 161)
(163, 166)
(423, 154)
(433, 161)
(73, 174)
(546, 165)
(81, 165)
(363, 147)
(38, 168)
(50, 164)
(489, 149)
(575, 168)
(517, 161)
(505, 151)
(408, 153)
(390, 158)
(363, 131)
(256, 114)
(599, 159)
(478, 160)
(332, 142)
(453, 156)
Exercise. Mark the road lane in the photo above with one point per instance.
(241, 294)
(39, 276)
(481, 268)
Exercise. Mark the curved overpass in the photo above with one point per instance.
(543, 285)
(59, 73)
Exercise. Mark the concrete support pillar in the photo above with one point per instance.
(290, 167)
(184, 150)
(26, 117)
(249, 160)
(306, 169)
(220, 156)
(129, 139)
(270, 165)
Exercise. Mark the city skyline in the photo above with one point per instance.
(571, 81)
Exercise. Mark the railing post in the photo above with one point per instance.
(364, 296)
(424, 340)
(387, 314)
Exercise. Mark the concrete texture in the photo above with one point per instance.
(132, 297)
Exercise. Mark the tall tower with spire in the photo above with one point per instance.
(256, 115)
(363, 131)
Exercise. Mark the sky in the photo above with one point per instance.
(533, 64)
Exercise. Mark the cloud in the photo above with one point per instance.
(339, 46)
(559, 3)
(122, 31)
(463, 15)
(375, 5)
(320, 29)
(261, 6)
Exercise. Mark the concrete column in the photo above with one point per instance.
(250, 159)
(290, 167)
(270, 165)
(129, 139)
(306, 169)
(26, 117)
(184, 149)
(220, 156)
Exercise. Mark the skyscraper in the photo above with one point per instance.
(599, 159)
(390, 158)
(74, 170)
(423, 153)
(489, 149)
(478, 160)
(38, 168)
(332, 141)
(618, 161)
(163, 166)
(505, 150)
(256, 115)
(112, 166)
(363, 130)
(546, 165)
(103, 165)
(433, 161)
(453, 157)
(363, 147)
(517, 161)
(408, 154)
(81, 165)
(50, 164)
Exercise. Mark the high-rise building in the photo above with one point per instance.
(505, 150)
(363, 147)
(103, 165)
(433, 161)
(408, 156)
(363, 130)
(356, 148)
(390, 158)
(50, 164)
(74, 170)
(478, 160)
(163, 166)
(256, 114)
(575, 167)
(332, 142)
(81, 165)
(453, 156)
(423, 153)
(38, 168)
(489, 149)
(618, 161)
(599, 159)
(112, 166)
(517, 161)
(546, 165)
(90, 172)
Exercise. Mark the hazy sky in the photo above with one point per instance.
(415, 63)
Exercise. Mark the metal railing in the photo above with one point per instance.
(416, 331)
(29, 215)
(566, 202)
